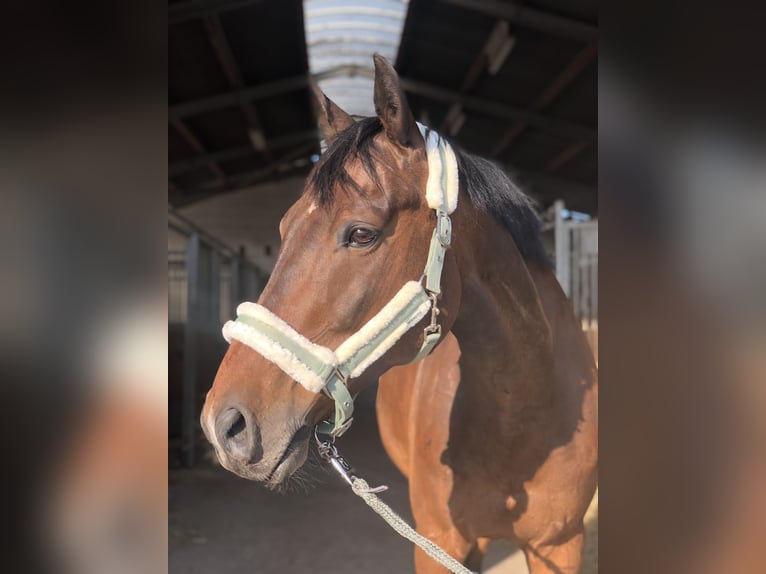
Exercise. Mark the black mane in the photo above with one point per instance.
(489, 188)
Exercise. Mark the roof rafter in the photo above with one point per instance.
(551, 92)
(477, 104)
(565, 156)
(182, 11)
(177, 168)
(192, 140)
(543, 185)
(293, 163)
(532, 18)
(500, 110)
(474, 73)
(222, 49)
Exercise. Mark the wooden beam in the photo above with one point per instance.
(541, 184)
(274, 172)
(184, 166)
(499, 38)
(262, 91)
(475, 72)
(222, 49)
(568, 75)
(500, 110)
(531, 18)
(551, 186)
(192, 140)
(182, 11)
(481, 105)
(232, 98)
(565, 156)
(560, 83)
(178, 167)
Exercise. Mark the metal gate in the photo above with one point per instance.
(576, 257)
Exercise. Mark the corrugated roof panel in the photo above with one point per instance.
(342, 33)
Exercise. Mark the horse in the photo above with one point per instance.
(496, 427)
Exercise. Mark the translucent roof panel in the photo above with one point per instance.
(343, 35)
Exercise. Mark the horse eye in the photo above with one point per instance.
(361, 237)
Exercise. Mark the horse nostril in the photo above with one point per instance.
(237, 429)
(240, 439)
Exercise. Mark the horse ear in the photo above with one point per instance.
(332, 120)
(391, 106)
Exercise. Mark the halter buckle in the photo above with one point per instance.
(344, 427)
(443, 228)
(430, 329)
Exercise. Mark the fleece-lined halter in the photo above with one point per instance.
(318, 368)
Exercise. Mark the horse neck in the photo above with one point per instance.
(505, 338)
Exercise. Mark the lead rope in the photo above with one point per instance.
(359, 486)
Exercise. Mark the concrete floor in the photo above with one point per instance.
(219, 523)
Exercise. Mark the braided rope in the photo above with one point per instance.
(363, 490)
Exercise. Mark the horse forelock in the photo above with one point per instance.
(331, 171)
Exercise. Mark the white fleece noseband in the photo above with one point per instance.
(318, 368)
(310, 364)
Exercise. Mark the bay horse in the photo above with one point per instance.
(496, 429)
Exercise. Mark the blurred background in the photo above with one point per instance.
(93, 201)
(515, 82)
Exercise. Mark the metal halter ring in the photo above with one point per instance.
(323, 443)
(433, 327)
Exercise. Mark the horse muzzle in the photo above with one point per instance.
(244, 449)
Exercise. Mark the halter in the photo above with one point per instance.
(318, 368)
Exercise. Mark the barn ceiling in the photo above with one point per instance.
(512, 81)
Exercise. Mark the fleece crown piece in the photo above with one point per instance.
(442, 186)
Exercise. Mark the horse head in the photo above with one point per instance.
(353, 251)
